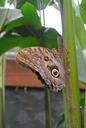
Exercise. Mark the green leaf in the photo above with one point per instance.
(40, 3)
(83, 10)
(11, 18)
(2, 2)
(9, 41)
(46, 38)
(80, 34)
(14, 24)
(49, 38)
(31, 16)
(80, 31)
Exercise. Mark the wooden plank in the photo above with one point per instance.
(16, 75)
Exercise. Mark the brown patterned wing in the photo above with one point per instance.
(48, 63)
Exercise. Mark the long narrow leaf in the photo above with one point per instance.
(71, 92)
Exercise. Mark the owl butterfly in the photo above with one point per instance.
(47, 63)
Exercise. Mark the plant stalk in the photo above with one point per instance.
(2, 76)
(48, 108)
(71, 93)
(2, 94)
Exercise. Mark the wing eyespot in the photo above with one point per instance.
(46, 58)
(55, 72)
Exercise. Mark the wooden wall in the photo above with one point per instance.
(16, 75)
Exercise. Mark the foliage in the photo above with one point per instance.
(80, 33)
(27, 26)
(36, 3)
(83, 10)
(79, 27)
(2, 2)
(26, 16)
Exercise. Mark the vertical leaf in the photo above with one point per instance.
(71, 92)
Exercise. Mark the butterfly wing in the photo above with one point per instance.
(46, 62)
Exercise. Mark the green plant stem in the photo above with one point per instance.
(2, 96)
(71, 92)
(48, 108)
(2, 87)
